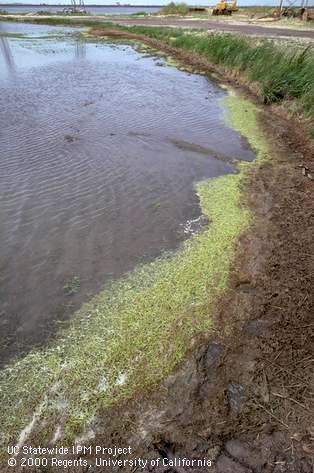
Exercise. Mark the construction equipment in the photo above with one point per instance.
(225, 7)
(296, 9)
(307, 14)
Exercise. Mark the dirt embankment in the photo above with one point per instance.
(244, 398)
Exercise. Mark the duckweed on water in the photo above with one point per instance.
(134, 333)
(242, 115)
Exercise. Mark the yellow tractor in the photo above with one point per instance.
(225, 8)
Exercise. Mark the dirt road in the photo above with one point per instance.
(212, 25)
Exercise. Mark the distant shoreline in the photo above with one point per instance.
(126, 5)
(66, 4)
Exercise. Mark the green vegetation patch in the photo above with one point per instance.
(133, 334)
(242, 115)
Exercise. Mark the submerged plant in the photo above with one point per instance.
(72, 286)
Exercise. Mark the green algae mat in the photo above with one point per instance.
(133, 333)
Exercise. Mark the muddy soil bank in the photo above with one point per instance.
(243, 399)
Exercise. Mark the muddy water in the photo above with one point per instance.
(101, 146)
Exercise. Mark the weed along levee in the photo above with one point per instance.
(117, 241)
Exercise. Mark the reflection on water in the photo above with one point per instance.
(5, 49)
(99, 158)
(26, 45)
(6, 52)
(80, 49)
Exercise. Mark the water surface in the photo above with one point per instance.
(101, 146)
(94, 9)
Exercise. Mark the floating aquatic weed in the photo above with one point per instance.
(133, 333)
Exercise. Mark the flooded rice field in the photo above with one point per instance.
(101, 146)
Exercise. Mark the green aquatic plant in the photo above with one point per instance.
(155, 206)
(243, 116)
(72, 286)
(135, 332)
